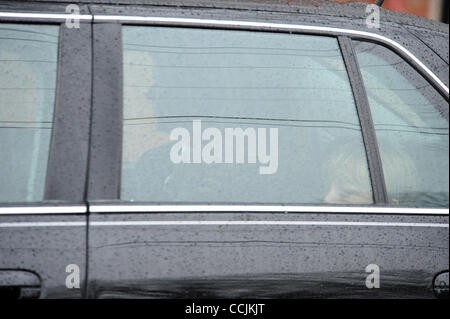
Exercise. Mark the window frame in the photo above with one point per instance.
(104, 188)
(363, 84)
(109, 27)
(66, 175)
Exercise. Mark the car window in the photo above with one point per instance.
(222, 116)
(28, 64)
(411, 123)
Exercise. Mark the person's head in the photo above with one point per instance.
(141, 132)
(348, 175)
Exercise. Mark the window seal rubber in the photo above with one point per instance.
(365, 117)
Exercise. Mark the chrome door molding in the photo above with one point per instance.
(130, 208)
(159, 223)
(43, 209)
(56, 17)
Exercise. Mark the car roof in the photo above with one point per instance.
(350, 10)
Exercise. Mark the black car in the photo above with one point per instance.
(222, 149)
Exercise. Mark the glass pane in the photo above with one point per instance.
(287, 98)
(28, 63)
(411, 121)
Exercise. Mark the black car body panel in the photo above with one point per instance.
(126, 254)
(238, 261)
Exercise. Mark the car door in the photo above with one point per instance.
(241, 162)
(45, 97)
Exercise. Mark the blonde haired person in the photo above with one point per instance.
(348, 174)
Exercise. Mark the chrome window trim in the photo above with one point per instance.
(232, 23)
(264, 26)
(126, 208)
(46, 16)
(276, 27)
(34, 210)
(144, 223)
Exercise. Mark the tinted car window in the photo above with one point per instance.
(411, 123)
(286, 96)
(28, 64)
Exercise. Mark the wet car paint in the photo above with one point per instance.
(233, 261)
(229, 261)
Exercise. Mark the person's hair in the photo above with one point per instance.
(347, 168)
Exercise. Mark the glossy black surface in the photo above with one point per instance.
(207, 261)
(234, 261)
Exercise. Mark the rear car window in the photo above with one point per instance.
(411, 123)
(222, 116)
(28, 64)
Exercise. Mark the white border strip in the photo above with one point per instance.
(277, 26)
(52, 16)
(221, 223)
(263, 208)
(43, 210)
